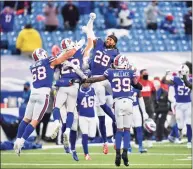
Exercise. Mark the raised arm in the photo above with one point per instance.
(136, 84)
(95, 79)
(66, 55)
(187, 83)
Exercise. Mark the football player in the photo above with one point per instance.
(42, 71)
(102, 57)
(87, 121)
(68, 91)
(183, 102)
(121, 80)
(138, 104)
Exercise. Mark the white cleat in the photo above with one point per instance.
(66, 139)
(58, 125)
(177, 141)
(92, 16)
(17, 147)
(189, 145)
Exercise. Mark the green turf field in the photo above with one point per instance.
(165, 155)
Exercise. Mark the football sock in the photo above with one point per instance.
(175, 128)
(69, 119)
(189, 132)
(28, 130)
(114, 129)
(102, 128)
(72, 139)
(85, 143)
(21, 128)
(56, 113)
(139, 135)
(118, 139)
(126, 139)
(108, 111)
(63, 127)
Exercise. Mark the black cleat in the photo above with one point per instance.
(125, 158)
(118, 160)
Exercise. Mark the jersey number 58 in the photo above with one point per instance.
(39, 73)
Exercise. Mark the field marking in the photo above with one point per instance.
(50, 153)
(46, 164)
(45, 147)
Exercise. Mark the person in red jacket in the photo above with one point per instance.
(148, 94)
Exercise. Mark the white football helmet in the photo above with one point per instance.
(149, 125)
(183, 70)
(39, 54)
(120, 62)
(67, 44)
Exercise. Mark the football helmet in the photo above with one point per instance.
(183, 70)
(39, 54)
(120, 62)
(67, 44)
(149, 125)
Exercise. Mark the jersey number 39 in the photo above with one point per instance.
(39, 73)
(121, 85)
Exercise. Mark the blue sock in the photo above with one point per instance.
(63, 127)
(114, 129)
(56, 113)
(126, 138)
(28, 130)
(21, 128)
(72, 139)
(118, 139)
(102, 128)
(139, 136)
(189, 132)
(69, 119)
(85, 143)
(108, 111)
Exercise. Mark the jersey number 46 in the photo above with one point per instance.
(87, 101)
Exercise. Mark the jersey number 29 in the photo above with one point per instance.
(101, 59)
(39, 73)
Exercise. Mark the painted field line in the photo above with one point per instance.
(50, 153)
(46, 164)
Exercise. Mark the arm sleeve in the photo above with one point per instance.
(171, 94)
(187, 83)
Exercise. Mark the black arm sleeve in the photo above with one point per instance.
(137, 86)
(187, 83)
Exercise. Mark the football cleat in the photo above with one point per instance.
(105, 148)
(58, 125)
(67, 149)
(118, 160)
(74, 156)
(189, 145)
(87, 157)
(125, 158)
(17, 147)
(142, 150)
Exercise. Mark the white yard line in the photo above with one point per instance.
(47, 164)
(50, 153)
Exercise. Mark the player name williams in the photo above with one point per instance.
(121, 74)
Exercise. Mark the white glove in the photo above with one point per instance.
(79, 44)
